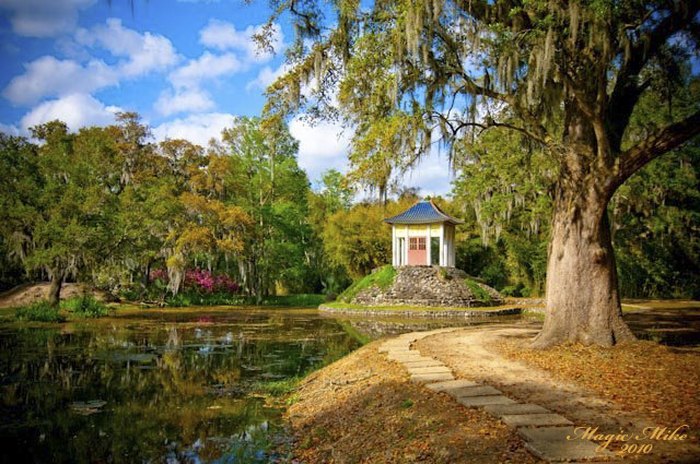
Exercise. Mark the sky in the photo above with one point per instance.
(186, 66)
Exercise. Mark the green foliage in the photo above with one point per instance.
(478, 292)
(273, 191)
(85, 306)
(358, 239)
(654, 219)
(180, 300)
(382, 278)
(513, 290)
(41, 311)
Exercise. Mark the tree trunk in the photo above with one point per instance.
(54, 294)
(583, 303)
(146, 278)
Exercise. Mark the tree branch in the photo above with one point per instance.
(627, 92)
(489, 125)
(656, 145)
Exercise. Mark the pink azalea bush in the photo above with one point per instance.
(201, 281)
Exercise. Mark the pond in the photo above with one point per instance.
(162, 386)
(187, 385)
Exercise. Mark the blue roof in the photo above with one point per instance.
(423, 212)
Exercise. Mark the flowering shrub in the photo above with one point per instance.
(159, 274)
(201, 281)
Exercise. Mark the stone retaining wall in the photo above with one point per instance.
(466, 313)
(433, 286)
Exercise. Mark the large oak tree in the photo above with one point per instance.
(566, 75)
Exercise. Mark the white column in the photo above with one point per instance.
(405, 246)
(450, 246)
(394, 245)
(427, 246)
(442, 244)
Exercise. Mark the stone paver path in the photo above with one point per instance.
(544, 432)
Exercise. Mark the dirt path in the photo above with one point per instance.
(471, 353)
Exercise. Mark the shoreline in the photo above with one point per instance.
(365, 406)
(430, 313)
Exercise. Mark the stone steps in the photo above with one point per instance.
(546, 434)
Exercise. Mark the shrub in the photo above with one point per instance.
(200, 281)
(178, 300)
(513, 290)
(85, 306)
(40, 311)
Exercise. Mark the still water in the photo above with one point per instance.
(186, 385)
(164, 386)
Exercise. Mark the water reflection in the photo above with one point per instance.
(179, 385)
(170, 386)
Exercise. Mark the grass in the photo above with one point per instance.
(85, 306)
(478, 292)
(40, 311)
(277, 387)
(382, 278)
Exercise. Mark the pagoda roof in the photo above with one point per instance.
(423, 212)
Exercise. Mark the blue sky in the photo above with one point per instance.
(186, 66)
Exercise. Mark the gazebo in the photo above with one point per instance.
(423, 235)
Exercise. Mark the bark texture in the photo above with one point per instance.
(54, 293)
(583, 303)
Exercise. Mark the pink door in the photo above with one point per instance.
(417, 254)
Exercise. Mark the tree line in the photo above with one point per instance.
(109, 207)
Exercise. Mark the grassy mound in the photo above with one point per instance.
(382, 278)
(479, 293)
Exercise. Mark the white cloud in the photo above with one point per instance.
(207, 66)
(42, 18)
(183, 100)
(50, 77)
(76, 110)
(9, 129)
(321, 147)
(267, 76)
(432, 175)
(143, 53)
(197, 128)
(224, 36)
